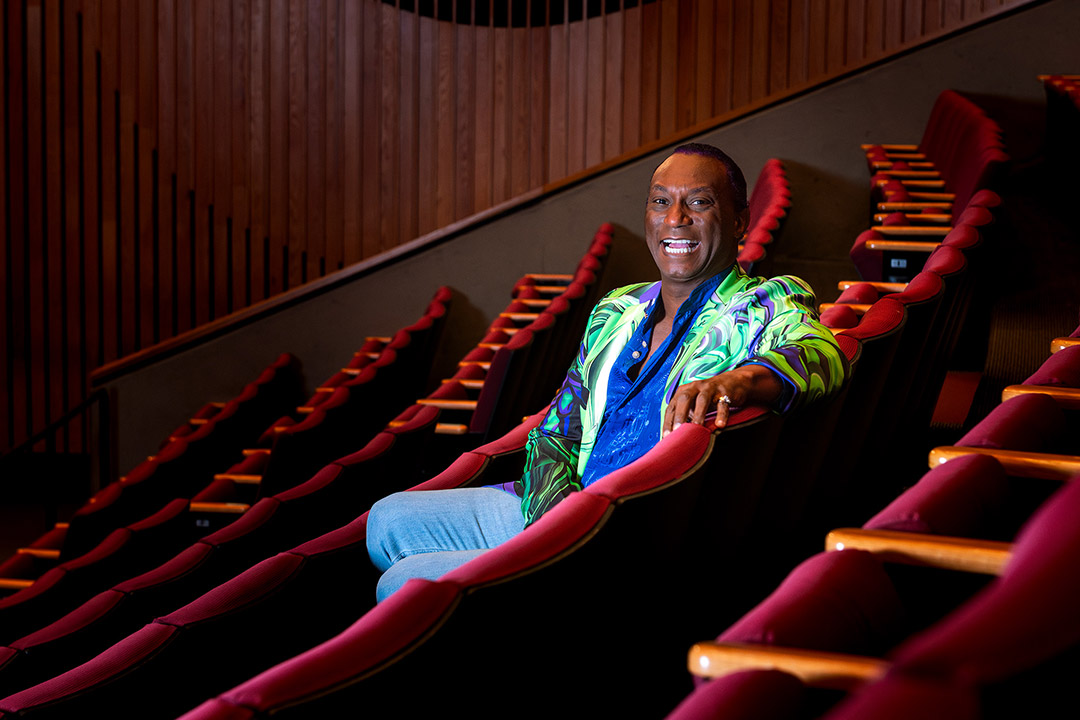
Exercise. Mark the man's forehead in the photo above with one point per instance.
(686, 168)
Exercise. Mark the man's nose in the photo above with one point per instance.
(676, 215)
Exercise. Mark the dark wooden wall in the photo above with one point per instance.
(166, 162)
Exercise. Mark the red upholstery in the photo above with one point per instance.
(1026, 422)
(749, 695)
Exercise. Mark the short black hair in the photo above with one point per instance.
(734, 172)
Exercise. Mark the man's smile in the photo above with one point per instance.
(679, 246)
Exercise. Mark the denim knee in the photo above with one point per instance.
(381, 520)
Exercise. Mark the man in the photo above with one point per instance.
(654, 356)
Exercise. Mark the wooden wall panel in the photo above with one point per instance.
(166, 162)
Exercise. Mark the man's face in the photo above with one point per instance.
(691, 225)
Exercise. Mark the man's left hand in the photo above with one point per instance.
(746, 385)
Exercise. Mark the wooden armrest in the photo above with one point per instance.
(925, 246)
(1068, 398)
(494, 346)
(198, 421)
(888, 206)
(1063, 342)
(923, 230)
(352, 371)
(1045, 466)
(547, 289)
(551, 277)
(915, 161)
(911, 174)
(986, 557)
(378, 338)
(239, 478)
(924, 218)
(482, 363)
(448, 404)
(248, 452)
(520, 316)
(534, 302)
(933, 196)
(219, 507)
(14, 583)
(45, 553)
(891, 146)
(881, 287)
(470, 383)
(912, 182)
(834, 671)
(859, 308)
(451, 429)
(902, 245)
(305, 409)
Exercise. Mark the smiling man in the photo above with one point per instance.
(703, 339)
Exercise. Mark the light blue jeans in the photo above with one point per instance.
(424, 534)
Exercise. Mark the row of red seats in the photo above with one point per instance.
(921, 191)
(183, 464)
(330, 499)
(145, 537)
(769, 203)
(899, 618)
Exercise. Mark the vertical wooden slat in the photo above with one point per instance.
(759, 53)
(613, 84)
(741, 54)
(779, 46)
(147, 124)
(203, 154)
(447, 124)
(259, 143)
(298, 141)
(352, 129)
(577, 98)
(685, 66)
(92, 186)
(315, 124)
(703, 29)
(7, 408)
(669, 67)
(409, 126)
(519, 112)
(650, 72)
(74, 360)
(538, 109)
(166, 171)
(594, 90)
(128, 259)
(953, 14)
(240, 146)
(389, 131)
(722, 58)
(913, 19)
(894, 24)
(334, 251)
(370, 160)
(465, 93)
(855, 33)
(818, 52)
(798, 54)
(219, 105)
(16, 280)
(185, 165)
(632, 53)
(55, 289)
(483, 118)
(427, 138)
(835, 39)
(278, 114)
(37, 362)
(874, 45)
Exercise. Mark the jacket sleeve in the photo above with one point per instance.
(795, 345)
(553, 447)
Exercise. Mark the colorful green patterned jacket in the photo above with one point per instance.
(771, 322)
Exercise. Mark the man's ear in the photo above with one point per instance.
(742, 223)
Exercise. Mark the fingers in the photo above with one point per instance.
(692, 403)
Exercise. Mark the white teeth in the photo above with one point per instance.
(679, 247)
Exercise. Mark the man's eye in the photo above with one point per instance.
(659, 201)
